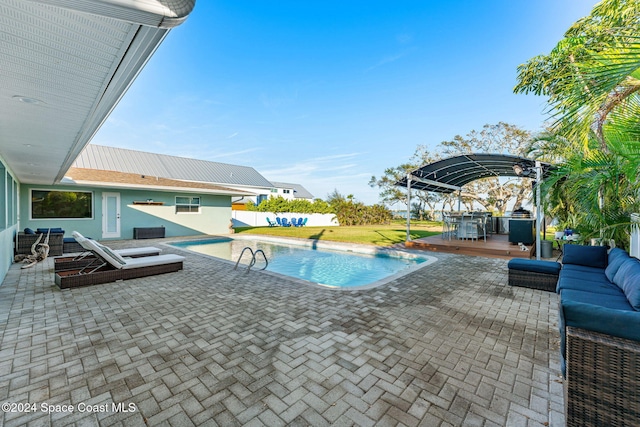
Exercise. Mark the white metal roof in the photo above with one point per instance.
(64, 65)
(161, 165)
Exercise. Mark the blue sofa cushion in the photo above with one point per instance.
(595, 286)
(614, 265)
(582, 269)
(596, 274)
(616, 253)
(29, 231)
(590, 256)
(56, 230)
(628, 279)
(536, 266)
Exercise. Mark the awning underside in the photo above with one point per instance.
(448, 175)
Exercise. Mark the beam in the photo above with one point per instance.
(434, 183)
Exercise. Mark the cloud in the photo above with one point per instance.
(390, 59)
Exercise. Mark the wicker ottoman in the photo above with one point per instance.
(531, 273)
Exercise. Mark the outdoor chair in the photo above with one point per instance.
(449, 225)
(111, 266)
(87, 257)
(271, 223)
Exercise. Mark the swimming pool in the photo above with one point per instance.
(326, 264)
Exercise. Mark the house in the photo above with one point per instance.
(286, 190)
(290, 191)
(117, 190)
(66, 64)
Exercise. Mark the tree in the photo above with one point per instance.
(592, 79)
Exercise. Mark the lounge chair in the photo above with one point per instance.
(271, 223)
(294, 222)
(285, 222)
(111, 267)
(278, 220)
(304, 222)
(300, 222)
(88, 258)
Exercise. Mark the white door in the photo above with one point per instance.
(110, 215)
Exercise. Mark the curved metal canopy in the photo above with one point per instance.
(449, 175)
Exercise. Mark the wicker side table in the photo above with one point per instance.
(530, 273)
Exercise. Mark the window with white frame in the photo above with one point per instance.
(187, 204)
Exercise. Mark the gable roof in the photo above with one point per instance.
(104, 158)
(299, 192)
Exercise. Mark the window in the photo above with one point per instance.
(286, 191)
(47, 204)
(274, 190)
(187, 204)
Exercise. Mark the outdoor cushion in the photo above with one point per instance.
(616, 253)
(595, 286)
(536, 266)
(582, 269)
(590, 256)
(29, 231)
(56, 230)
(628, 279)
(594, 274)
(614, 266)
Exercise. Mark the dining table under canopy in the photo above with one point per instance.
(451, 174)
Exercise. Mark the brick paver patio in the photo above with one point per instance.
(448, 345)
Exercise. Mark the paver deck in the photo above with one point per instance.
(448, 345)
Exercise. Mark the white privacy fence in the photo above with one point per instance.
(259, 219)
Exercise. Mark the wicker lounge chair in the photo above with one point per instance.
(111, 266)
(87, 257)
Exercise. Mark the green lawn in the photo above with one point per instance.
(380, 235)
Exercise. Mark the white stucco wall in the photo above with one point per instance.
(259, 219)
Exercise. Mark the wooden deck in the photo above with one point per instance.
(496, 246)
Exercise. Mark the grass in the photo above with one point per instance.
(379, 235)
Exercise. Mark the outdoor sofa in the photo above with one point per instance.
(25, 240)
(600, 335)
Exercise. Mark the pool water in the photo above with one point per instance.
(331, 268)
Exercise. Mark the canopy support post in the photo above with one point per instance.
(408, 207)
(538, 210)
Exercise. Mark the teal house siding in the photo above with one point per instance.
(213, 215)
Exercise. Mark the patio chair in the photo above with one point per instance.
(285, 222)
(278, 220)
(304, 222)
(111, 267)
(271, 223)
(294, 222)
(87, 257)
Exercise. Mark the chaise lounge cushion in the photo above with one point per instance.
(589, 256)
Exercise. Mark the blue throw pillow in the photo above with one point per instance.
(589, 256)
(628, 279)
(29, 231)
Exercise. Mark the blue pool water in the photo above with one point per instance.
(332, 268)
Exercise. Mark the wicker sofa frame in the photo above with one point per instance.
(533, 280)
(25, 241)
(602, 386)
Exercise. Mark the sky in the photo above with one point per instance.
(329, 93)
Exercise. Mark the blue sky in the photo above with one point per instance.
(328, 93)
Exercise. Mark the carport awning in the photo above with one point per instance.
(449, 175)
